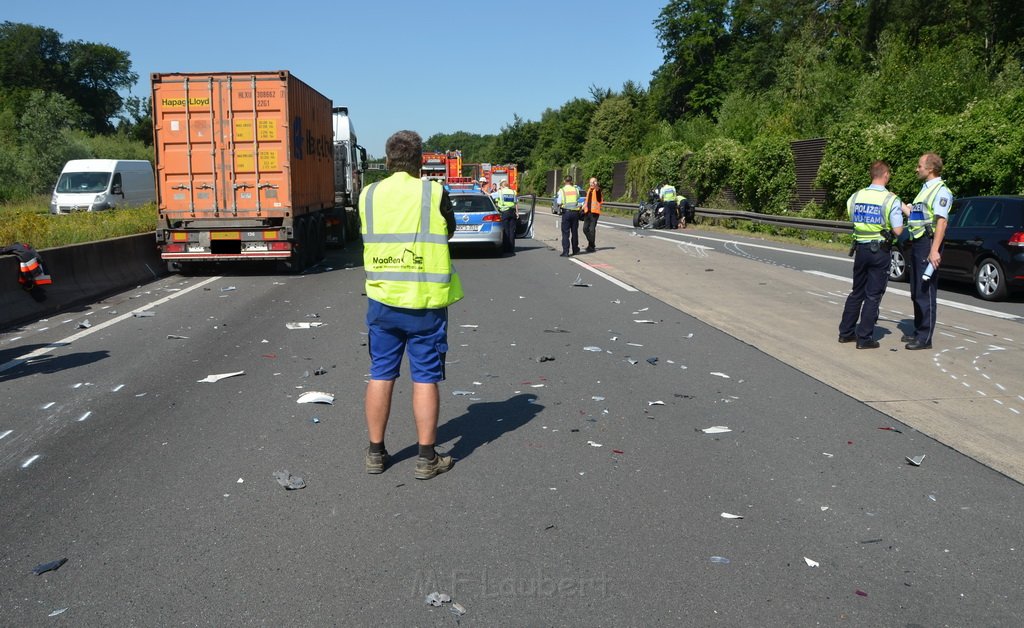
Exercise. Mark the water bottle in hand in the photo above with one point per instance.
(927, 274)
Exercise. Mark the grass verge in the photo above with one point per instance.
(31, 223)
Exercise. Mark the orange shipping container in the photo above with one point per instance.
(238, 145)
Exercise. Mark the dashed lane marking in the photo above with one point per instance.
(100, 326)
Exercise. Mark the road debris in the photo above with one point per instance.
(544, 358)
(891, 429)
(209, 379)
(656, 403)
(593, 444)
(316, 397)
(720, 560)
(716, 429)
(53, 565)
(632, 361)
(729, 515)
(288, 481)
(304, 324)
(811, 563)
(176, 337)
(57, 612)
(458, 609)
(228, 289)
(719, 374)
(645, 321)
(916, 460)
(652, 361)
(579, 283)
(461, 393)
(593, 349)
(437, 599)
(85, 324)
(144, 314)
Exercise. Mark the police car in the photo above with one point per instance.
(477, 220)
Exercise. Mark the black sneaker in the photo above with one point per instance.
(426, 469)
(376, 462)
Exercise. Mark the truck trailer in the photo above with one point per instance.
(244, 168)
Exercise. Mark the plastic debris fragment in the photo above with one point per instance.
(316, 397)
(579, 283)
(632, 361)
(720, 560)
(545, 358)
(656, 403)
(916, 460)
(85, 324)
(891, 429)
(53, 565)
(288, 481)
(728, 515)
(57, 612)
(315, 419)
(597, 398)
(469, 326)
(320, 371)
(209, 379)
(716, 429)
(645, 321)
(861, 593)
(458, 609)
(461, 393)
(144, 314)
(228, 288)
(437, 599)
(593, 349)
(618, 451)
(593, 444)
(652, 361)
(719, 374)
(303, 325)
(811, 563)
(176, 337)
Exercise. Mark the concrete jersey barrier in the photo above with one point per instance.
(81, 273)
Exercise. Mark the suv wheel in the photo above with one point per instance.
(897, 265)
(989, 281)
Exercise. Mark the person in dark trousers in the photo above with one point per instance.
(668, 194)
(877, 218)
(410, 282)
(505, 199)
(591, 213)
(568, 202)
(926, 222)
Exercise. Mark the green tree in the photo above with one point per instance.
(47, 141)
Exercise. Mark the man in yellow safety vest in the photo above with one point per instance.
(410, 282)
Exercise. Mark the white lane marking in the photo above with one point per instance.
(84, 416)
(4, 435)
(606, 276)
(688, 244)
(29, 461)
(953, 304)
(95, 328)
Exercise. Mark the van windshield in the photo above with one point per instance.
(83, 182)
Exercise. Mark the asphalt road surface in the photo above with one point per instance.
(585, 491)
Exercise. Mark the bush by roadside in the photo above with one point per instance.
(31, 222)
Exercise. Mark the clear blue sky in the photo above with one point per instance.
(461, 66)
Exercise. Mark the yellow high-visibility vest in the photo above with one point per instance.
(405, 244)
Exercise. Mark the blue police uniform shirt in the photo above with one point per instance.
(895, 213)
(943, 200)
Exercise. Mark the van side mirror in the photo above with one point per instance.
(116, 189)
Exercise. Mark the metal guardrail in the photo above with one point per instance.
(794, 222)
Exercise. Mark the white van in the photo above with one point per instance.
(90, 185)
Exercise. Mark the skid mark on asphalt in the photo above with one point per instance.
(736, 248)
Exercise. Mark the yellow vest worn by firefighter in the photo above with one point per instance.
(869, 210)
(405, 244)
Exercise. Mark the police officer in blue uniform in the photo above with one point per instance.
(877, 217)
(927, 219)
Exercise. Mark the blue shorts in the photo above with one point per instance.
(394, 329)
